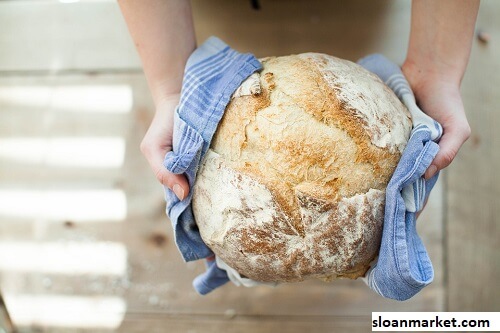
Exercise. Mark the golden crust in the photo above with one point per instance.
(314, 154)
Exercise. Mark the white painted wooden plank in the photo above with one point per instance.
(54, 36)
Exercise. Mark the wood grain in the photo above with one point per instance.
(473, 204)
(156, 285)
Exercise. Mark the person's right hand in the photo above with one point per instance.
(158, 142)
(439, 97)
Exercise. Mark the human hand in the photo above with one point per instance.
(440, 98)
(158, 141)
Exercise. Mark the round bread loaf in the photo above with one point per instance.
(293, 185)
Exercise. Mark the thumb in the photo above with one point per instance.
(176, 182)
(449, 146)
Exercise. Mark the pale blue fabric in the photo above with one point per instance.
(213, 72)
(213, 278)
(403, 267)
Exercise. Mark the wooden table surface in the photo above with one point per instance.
(85, 245)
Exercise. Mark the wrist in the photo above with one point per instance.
(422, 77)
(165, 92)
(167, 100)
(424, 72)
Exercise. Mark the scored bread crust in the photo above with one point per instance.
(293, 184)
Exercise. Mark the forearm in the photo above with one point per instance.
(438, 53)
(440, 39)
(163, 34)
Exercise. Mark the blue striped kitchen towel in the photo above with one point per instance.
(213, 72)
(403, 266)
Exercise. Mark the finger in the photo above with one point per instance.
(177, 183)
(449, 145)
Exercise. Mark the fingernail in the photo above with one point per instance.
(179, 192)
(431, 171)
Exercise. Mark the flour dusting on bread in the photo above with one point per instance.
(293, 185)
